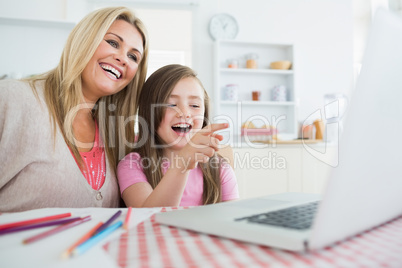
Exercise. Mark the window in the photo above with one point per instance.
(170, 35)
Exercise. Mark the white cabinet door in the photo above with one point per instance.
(287, 168)
(316, 168)
(267, 171)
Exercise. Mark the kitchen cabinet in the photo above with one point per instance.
(283, 168)
(37, 22)
(37, 45)
(315, 170)
(234, 84)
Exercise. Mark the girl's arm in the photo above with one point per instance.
(229, 186)
(167, 193)
(170, 189)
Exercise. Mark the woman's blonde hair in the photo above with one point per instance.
(63, 85)
(157, 90)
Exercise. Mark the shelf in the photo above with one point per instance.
(259, 103)
(256, 71)
(36, 22)
(254, 44)
(281, 114)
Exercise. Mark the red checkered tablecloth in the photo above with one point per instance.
(150, 244)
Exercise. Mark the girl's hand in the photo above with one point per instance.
(201, 147)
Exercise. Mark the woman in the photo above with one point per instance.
(63, 132)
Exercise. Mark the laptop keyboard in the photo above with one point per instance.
(298, 217)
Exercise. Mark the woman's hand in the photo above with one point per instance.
(200, 148)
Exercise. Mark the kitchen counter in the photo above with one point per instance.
(263, 169)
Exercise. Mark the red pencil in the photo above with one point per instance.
(33, 221)
(127, 220)
(56, 230)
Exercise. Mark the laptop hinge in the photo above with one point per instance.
(306, 247)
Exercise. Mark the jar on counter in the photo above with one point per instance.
(335, 108)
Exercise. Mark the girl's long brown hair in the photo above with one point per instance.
(157, 90)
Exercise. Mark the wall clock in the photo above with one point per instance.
(223, 26)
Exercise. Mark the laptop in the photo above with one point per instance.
(363, 191)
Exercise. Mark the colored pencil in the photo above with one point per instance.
(127, 220)
(38, 225)
(96, 238)
(108, 222)
(33, 221)
(56, 230)
(81, 240)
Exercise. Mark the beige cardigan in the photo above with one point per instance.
(35, 171)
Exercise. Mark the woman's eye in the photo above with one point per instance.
(195, 106)
(133, 57)
(171, 105)
(113, 43)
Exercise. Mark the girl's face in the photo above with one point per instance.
(114, 63)
(184, 114)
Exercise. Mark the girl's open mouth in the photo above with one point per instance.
(182, 128)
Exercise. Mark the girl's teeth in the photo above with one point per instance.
(181, 125)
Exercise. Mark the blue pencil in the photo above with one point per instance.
(96, 238)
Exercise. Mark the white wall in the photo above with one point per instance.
(322, 31)
(45, 9)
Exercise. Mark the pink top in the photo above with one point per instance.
(129, 172)
(95, 163)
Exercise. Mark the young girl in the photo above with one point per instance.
(175, 162)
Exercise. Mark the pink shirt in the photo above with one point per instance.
(129, 172)
(95, 163)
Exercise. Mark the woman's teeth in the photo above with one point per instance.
(112, 70)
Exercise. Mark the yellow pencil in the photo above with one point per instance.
(88, 235)
(127, 220)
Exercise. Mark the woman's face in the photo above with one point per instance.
(114, 63)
